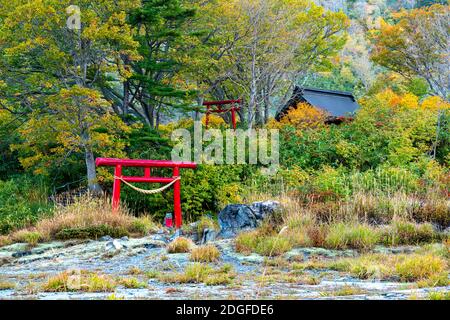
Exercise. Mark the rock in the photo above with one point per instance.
(237, 217)
(124, 238)
(177, 234)
(5, 260)
(113, 246)
(266, 208)
(21, 254)
(105, 238)
(159, 237)
(208, 235)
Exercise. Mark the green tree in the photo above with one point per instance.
(154, 85)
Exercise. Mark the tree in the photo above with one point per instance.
(52, 70)
(153, 86)
(416, 44)
(266, 46)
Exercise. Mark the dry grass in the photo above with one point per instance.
(5, 240)
(131, 283)
(201, 273)
(401, 232)
(87, 218)
(85, 212)
(4, 285)
(346, 290)
(180, 245)
(79, 281)
(265, 244)
(427, 269)
(208, 253)
(354, 236)
(26, 236)
(420, 267)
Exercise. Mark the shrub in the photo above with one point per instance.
(180, 245)
(23, 201)
(342, 236)
(91, 232)
(208, 253)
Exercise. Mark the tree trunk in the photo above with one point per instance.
(93, 185)
(89, 158)
(266, 108)
(200, 101)
(126, 97)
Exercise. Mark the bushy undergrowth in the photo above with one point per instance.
(23, 201)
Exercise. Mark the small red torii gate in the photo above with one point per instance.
(219, 109)
(147, 178)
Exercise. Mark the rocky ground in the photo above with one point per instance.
(29, 269)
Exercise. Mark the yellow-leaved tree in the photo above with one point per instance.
(54, 58)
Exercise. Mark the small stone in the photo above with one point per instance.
(105, 238)
(113, 246)
(208, 236)
(21, 254)
(124, 238)
(159, 237)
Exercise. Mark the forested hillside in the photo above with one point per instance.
(136, 70)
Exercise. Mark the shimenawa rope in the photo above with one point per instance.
(144, 191)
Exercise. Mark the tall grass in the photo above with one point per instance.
(86, 217)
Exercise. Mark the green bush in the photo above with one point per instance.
(91, 232)
(23, 201)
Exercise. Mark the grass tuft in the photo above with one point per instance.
(343, 236)
(132, 283)
(79, 281)
(180, 245)
(208, 253)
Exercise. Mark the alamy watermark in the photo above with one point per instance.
(74, 20)
(213, 146)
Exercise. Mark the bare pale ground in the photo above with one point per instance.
(24, 273)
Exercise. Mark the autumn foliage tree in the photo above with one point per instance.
(416, 44)
(52, 58)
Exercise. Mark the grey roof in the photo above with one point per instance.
(336, 103)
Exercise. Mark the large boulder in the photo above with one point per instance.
(235, 218)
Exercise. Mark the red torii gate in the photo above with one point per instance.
(219, 109)
(147, 178)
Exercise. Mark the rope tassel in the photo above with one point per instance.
(144, 191)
